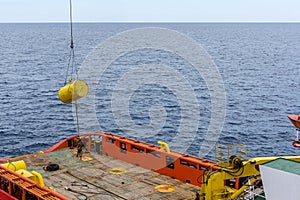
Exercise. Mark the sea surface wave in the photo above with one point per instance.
(259, 64)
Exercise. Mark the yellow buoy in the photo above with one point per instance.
(73, 91)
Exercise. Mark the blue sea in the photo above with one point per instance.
(259, 65)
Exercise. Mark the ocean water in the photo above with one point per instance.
(259, 65)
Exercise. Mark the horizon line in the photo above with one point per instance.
(145, 22)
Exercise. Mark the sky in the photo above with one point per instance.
(151, 11)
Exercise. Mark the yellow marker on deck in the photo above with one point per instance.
(164, 188)
(117, 171)
(73, 91)
(86, 158)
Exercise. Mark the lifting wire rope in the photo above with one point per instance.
(73, 91)
(72, 64)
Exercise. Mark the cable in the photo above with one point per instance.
(205, 170)
(77, 119)
(72, 40)
(70, 56)
(71, 25)
(109, 192)
(77, 192)
(71, 62)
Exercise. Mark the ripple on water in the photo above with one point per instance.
(259, 64)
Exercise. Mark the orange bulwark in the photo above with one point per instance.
(23, 188)
(186, 168)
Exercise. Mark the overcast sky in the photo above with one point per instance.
(151, 10)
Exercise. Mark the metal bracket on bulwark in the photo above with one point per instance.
(164, 146)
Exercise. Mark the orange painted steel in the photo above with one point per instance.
(11, 180)
(184, 167)
(295, 119)
(5, 196)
